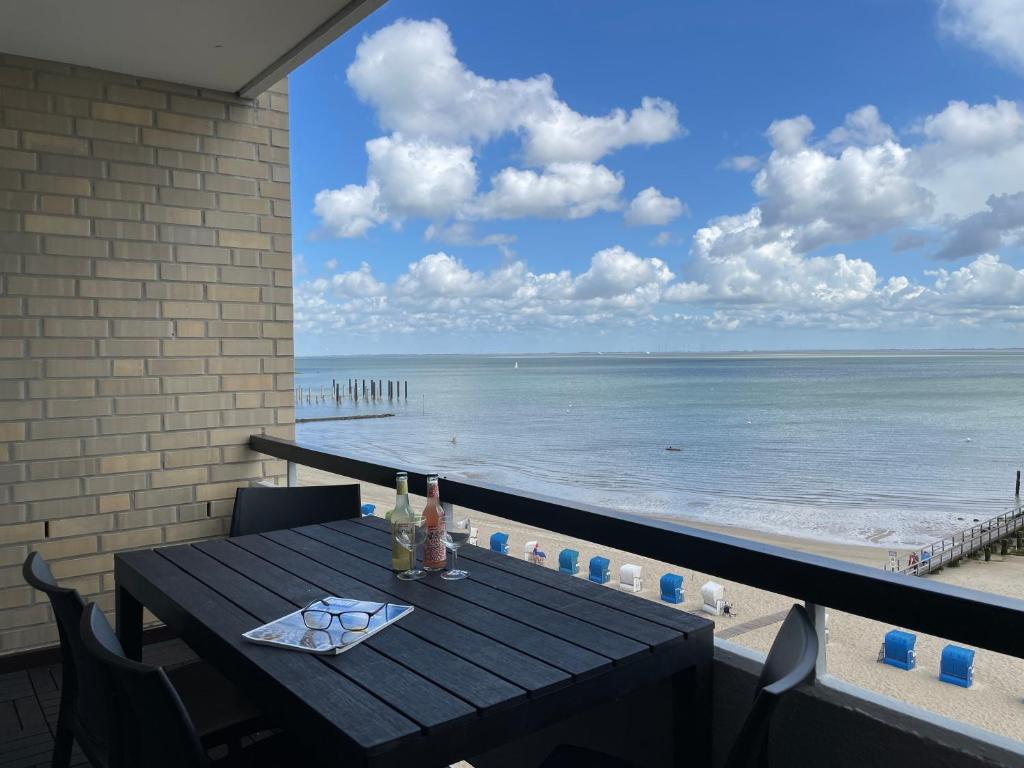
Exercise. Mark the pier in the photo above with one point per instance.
(354, 390)
(1002, 531)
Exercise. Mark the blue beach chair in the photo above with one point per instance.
(957, 666)
(569, 561)
(672, 588)
(367, 509)
(499, 543)
(898, 649)
(599, 570)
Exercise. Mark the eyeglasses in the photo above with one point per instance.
(319, 615)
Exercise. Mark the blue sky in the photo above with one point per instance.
(663, 176)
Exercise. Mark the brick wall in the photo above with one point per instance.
(145, 319)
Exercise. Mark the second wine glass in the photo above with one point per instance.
(455, 535)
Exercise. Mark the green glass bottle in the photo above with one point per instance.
(401, 558)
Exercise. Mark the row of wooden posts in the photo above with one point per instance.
(338, 391)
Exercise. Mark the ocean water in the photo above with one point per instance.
(884, 448)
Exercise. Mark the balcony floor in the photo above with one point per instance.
(30, 698)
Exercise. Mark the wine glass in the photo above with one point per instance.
(411, 535)
(455, 535)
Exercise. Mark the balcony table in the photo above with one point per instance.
(496, 668)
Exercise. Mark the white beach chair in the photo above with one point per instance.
(630, 578)
(713, 597)
(473, 532)
(533, 554)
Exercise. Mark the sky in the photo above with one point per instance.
(661, 176)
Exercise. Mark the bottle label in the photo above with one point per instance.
(434, 554)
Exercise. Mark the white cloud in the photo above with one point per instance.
(971, 152)
(441, 114)
(651, 208)
(742, 163)
(350, 211)
(616, 271)
(421, 179)
(736, 259)
(985, 282)
(862, 127)
(848, 193)
(331, 264)
(993, 26)
(562, 190)
(560, 134)
(410, 74)
(358, 283)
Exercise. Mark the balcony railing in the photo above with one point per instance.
(982, 619)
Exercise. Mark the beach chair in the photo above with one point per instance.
(672, 588)
(499, 542)
(957, 666)
(569, 561)
(532, 553)
(473, 533)
(898, 649)
(631, 578)
(599, 570)
(713, 598)
(367, 509)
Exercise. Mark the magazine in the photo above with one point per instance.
(291, 631)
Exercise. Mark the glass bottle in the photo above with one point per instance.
(435, 554)
(402, 559)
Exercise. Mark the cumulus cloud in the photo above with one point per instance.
(562, 190)
(993, 26)
(650, 208)
(833, 195)
(440, 115)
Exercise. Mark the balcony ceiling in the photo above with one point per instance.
(240, 46)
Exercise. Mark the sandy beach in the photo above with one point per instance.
(995, 702)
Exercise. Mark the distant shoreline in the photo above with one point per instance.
(719, 354)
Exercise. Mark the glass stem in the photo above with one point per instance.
(454, 560)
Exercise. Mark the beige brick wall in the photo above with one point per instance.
(145, 319)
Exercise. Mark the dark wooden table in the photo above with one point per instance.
(495, 668)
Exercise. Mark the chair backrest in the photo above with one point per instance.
(499, 542)
(258, 510)
(153, 727)
(80, 682)
(791, 662)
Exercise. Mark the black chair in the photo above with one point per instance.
(221, 713)
(790, 663)
(151, 727)
(258, 510)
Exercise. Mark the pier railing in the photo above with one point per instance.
(982, 619)
(951, 550)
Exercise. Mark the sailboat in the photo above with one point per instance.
(516, 366)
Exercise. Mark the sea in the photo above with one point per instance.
(883, 448)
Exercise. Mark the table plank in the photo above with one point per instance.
(468, 681)
(567, 602)
(408, 692)
(574, 659)
(674, 618)
(292, 685)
